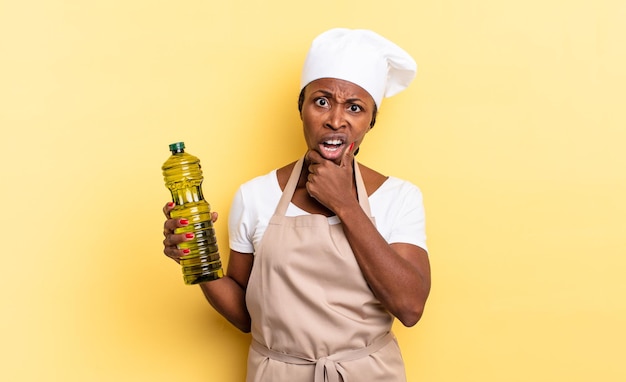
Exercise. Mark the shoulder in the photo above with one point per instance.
(398, 195)
(255, 198)
(400, 189)
(377, 183)
(398, 208)
(266, 181)
(255, 191)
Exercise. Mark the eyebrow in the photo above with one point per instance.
(328, 94)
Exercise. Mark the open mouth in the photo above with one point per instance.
(333, 145)
(333, 148)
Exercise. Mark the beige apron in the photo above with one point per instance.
(314, 318)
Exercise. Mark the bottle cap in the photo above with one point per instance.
(178, 146)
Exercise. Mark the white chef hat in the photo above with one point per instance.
(362, 57)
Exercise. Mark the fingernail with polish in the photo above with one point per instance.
(170, 204)
(351, 147)
(186, 251)
(184, 221)
(189, 235)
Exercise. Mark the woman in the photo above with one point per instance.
(326, 252)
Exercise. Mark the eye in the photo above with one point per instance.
(355, 108)
(323, 102)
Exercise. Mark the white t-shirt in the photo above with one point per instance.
(396, 205)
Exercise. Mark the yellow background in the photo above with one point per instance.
(514, 129)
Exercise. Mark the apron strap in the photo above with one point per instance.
(290, 188)
(364, 201)
(327, 369)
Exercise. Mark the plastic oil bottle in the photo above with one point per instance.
(183, 177)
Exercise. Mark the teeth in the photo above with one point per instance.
(333, 142)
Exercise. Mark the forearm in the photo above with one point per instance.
(398, 274)
(227, 297)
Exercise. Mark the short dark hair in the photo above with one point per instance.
(301, 102)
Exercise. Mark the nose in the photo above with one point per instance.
(336, 119)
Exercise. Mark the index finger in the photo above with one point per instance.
(348, 156)
(313, 157)
(168, 208)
